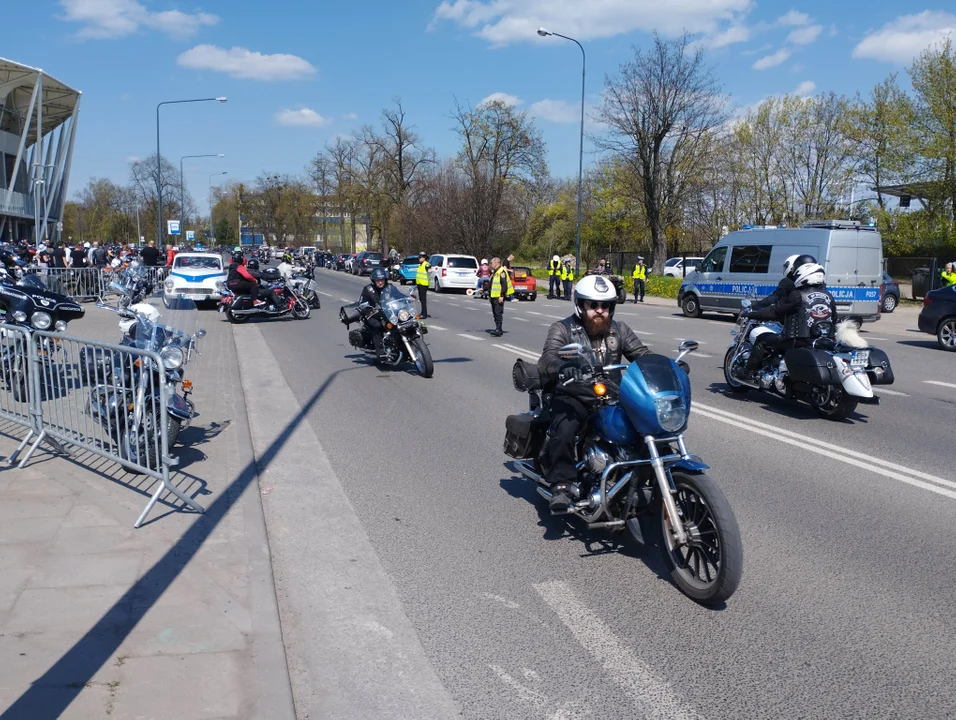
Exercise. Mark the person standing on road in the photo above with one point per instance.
(170, 254)
(639, 275)
(421, 282)
(554, 278)
(150, 254)
(501, 288)
(567, 278)
(947, 275)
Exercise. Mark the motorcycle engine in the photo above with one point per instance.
(595, 458)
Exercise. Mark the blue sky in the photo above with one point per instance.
(298, 74)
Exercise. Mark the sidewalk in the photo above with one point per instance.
(177, 619)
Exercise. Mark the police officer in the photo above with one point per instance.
(421, 282)
(554, 278)
(501, 288)
(947, 275)
(567, 277)
(639, 275)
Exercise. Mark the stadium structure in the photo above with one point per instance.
(38, 116)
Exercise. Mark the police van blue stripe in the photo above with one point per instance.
(840, 294)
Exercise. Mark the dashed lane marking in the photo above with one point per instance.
(941, 384)
(519, 319)
(519, 351)
(470, 337)
(882, 391)
(435, 327)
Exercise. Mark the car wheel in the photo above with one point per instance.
(889, 303)
(946, 334)
(690, 305)
(533, 297)
(437, 286)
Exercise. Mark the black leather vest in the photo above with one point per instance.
(815, 316)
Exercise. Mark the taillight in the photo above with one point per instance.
(927, 300)
(444, 272)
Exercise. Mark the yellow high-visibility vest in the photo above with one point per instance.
(640, 272)
(496, 280)
(949, 278)
(567, 273)
(421, 277)
(555, 268)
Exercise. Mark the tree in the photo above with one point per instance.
(322, 172)
(934, 82)
(143, 179)
(659, 112)
(342, 156)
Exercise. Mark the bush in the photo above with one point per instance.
(656, 285)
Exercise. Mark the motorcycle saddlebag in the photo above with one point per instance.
(879, 370)
(524, 434)
(96, 365)
(271, 275)
(809, 365)
(349, 314)
(526, 376)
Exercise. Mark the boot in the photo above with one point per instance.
(497, 332)
(563, 497)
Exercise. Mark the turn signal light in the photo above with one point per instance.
(138, 363)
(389, 325)
(600, 389)
(418, 317)
(187, 384)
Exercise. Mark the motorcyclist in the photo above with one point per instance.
(807, 312)
(484, 275)
(785, 286)
(592, 325)
(241, 280)
(252, 265)
(287, 266)
(372, 298)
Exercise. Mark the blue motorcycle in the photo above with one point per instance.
(634, 467)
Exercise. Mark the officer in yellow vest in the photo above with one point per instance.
(639, 275)
(421, 282)
(501, 288)
(947, 275)
(554, 278)
(567, 277)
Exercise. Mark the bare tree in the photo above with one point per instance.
(659, 111)
(342, 154)
(322, 173)
(143, 178)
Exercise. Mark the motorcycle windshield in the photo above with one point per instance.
(655, 394)
(172, 334)
(398, 306)
(32, 281)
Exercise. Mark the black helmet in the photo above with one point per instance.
(252, 264)
(238, 257)
(791, 270)
(378, 274)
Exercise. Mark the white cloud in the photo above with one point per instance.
(794, 17)
(117, 18)
(906, 37)
(556, 111)
(805, 89)
(501, 97)
(303, 117)
(506, 21)
(350, 116)
(769, 61)
(728, 36)
(804, 35)
(238, 62)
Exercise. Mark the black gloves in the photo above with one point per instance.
(569, 373)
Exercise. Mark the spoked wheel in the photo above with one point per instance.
(315, 302)
(709, 566)
(301, 309)
(946, 335)
(733, 383)
(832, 402)
(423, 358)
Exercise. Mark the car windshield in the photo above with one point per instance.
(394, 301)
(373, 256)
(672, 262)
(197, 263)
(463, 262)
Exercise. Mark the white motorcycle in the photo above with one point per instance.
(832, 374)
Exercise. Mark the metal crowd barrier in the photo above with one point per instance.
(101, 398)
(89, 283)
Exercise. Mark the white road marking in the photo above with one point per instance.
(454, 303)
(937, 382)
(545, 324)
(470, 337)
(834, 452)
(653, 694)
(671, 317)
(471, 307)
(883, 391)
(435, 327)
(697, 354)
(642, 332)
(873, 337)
(519, 319)
(532, 312)
(519, 351)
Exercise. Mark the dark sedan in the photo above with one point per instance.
(366, 261)
(938, 316)
(889, 294)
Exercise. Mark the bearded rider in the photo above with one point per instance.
(372, 298)
(807, 312)
(593, 326)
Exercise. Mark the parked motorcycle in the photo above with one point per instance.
(303, 283)
(239, 308)
(832, 374)
(634, 466)
(403, 330)
(134, 285)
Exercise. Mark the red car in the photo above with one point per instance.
(526, 287)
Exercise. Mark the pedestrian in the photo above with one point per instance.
(639, 275)
(554, 278)
(947, 275)
(421, 282)
(170, 254)
(509, 260)
(99, 255)
(567, 278)
(501, 287)
(150, 254)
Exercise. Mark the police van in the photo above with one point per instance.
(749, 263)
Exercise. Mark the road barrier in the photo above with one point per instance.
(89, 283)
(108, 400)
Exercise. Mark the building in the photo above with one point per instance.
(38, 116)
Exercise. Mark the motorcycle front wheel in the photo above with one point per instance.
(832, 402)
(732, 382)
(423, 358)
(301, 309)
(709, 566)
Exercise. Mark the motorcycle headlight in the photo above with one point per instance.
(671, 413)
(42, 320)
(403, 316)
(173, 357)
(60, 326)
(20, 316)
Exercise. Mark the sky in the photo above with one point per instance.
(299, 74)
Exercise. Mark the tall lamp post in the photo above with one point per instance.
(159, 163)
(545, 33)
(182, 187)
(212, 228)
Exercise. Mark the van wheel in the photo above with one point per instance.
(690, 305)
(889, 303)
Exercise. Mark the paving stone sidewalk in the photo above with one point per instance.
(175, 620)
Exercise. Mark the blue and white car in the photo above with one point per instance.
(194, 276)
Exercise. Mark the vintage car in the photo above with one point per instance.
(526, 287)
(194, 276)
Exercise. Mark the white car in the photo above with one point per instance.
(194, 276)
(459, 272)
(679, 267)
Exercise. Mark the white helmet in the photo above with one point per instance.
(484, 261)
(810, 274)
(788, 264)
(794, 263)
(555, 259)
(594, 287)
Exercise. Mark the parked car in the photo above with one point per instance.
(526, 287)
(366, 261)
(678, 267)
(408, 269)
(938, 316)
(458, 272)
(349, 261)
(194, 276)
(889, 294)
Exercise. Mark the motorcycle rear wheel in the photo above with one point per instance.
(423, 358)
(732, 383)
(832, 402)
(709, 567)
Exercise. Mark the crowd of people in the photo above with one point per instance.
(70, 255)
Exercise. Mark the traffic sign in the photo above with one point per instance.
(172, 227)
(190, 235)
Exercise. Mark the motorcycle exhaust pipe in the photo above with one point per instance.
(525, 469)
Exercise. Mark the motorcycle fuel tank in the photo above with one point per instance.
(611, 423)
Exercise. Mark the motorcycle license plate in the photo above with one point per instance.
(860, 358)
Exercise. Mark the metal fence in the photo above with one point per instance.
(89, 283)
(108, 400)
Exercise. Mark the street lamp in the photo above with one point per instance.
(545, 33)
(182, 187)
(159, 163)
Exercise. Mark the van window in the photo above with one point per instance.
(714, 262)
(463, 262)
(750, 259)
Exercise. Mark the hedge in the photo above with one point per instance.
(655, 285)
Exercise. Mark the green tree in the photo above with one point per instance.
(934, 82)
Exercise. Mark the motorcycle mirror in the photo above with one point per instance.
(570, 351)
(745, 303)
(200, 333)
(688, 346)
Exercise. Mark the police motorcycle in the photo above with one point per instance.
(303, 284)
(126, 390)
(635, 468)
(834, 373)
(395, 272)
(403, 335)
(134, 285)
(239, 308)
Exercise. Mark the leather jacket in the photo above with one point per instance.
(784, 288)
(620, 342)
(807, 312)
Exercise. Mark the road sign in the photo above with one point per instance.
(172, 227)
(190, 235)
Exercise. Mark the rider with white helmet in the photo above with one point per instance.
(592, 324)
(785, 286)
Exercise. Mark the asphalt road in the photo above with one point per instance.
(846, 605)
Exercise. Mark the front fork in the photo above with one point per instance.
(666, 485)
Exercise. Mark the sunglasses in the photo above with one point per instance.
(598, 305)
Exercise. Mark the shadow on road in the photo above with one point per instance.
(790, 409)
